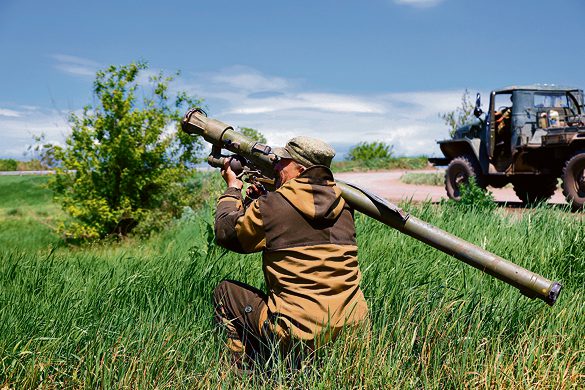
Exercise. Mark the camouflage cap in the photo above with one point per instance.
(306, 151)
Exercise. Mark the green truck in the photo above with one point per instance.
(529, 137)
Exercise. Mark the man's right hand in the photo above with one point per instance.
(229, 176)
(255, 191)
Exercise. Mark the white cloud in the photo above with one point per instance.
(308, 101)
(76, 66)
(17, 132)
(248, 79)
(419, 3)
(281, 109)
(9, 113)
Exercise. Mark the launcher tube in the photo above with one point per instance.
(530, 284)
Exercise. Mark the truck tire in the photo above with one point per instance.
(458, 172)
(574, 180)
(535, 189)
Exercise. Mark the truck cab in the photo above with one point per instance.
(526, 137)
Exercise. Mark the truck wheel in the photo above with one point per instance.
(574, 181)
(458, 172)
(535, 189)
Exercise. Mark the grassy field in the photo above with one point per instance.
(27, 215)
(417, 178)
(138, 314)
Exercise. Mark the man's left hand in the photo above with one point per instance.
(229, 176)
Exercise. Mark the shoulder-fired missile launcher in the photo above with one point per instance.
(256, 160)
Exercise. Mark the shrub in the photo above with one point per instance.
(475, 197)
(369, 151)
(8, 164)
(125, 163)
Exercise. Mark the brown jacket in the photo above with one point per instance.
(307, 235)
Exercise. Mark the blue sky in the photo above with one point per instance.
(344, 71)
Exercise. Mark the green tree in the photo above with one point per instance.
(461, 115)
(8, 164)
(254, 134)
(370, 151)
(125, 164)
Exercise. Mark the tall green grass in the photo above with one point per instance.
(380, 164)
(431, 179)
(27, 215)
(22, 191)
(138, 314)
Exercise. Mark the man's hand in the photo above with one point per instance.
(229, 176)
(255, 191)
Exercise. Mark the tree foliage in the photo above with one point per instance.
(254, 134)
(8, 164)
(125, 164)
(461, 115)
(369, 151)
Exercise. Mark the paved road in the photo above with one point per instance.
(20, 173)
(387, 184)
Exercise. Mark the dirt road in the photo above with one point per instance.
(387, 184)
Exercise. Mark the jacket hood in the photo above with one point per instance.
(314, 194)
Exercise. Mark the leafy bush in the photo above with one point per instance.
(475, 197)
(368, 151)
(125, 164)
(8, 165)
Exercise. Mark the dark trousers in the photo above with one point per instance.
(242, 311)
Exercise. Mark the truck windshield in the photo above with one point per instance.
(551, 100)
(557, 100)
